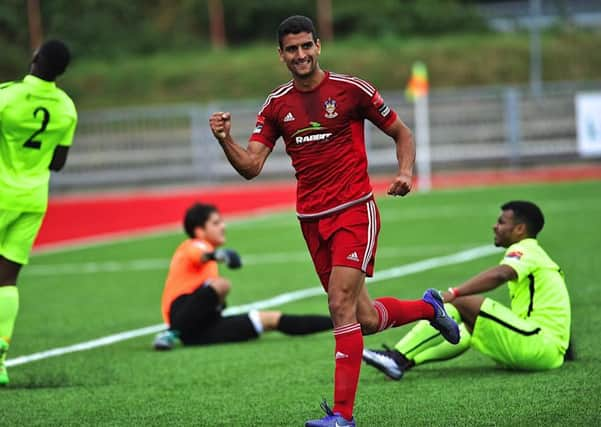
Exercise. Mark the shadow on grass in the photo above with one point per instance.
(39, 384)
(482, 371)
(429, 372)
(45, 381)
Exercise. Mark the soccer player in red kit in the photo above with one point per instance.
(320, 115)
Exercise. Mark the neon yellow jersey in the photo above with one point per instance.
(539, 293)
(35, 117)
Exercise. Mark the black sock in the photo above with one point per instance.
(304, 324)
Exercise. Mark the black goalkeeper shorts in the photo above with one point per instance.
(197, 317)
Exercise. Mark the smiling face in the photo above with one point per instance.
(507, 230)
(300, 52)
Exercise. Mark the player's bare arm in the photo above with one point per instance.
(59, 158)
(483, 282)
(249, 161)
(405, 152)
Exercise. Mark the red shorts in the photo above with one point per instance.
(347, 238)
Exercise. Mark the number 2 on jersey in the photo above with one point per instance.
(31, 143)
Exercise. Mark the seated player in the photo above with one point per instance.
(194, 294)
(534, 334)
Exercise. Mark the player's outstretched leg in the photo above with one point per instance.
(303, 324)
(331, 419)
(442, 321)
(395, 362)
(389, 361)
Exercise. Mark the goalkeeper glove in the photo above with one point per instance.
(229, 257)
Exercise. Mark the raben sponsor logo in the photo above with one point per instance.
(316, 137)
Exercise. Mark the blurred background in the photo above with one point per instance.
(512, 84)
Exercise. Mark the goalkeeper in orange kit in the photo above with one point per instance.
(194, 294)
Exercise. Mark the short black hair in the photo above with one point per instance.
(197, 215)
(53, 57)
(527, 213)
(294, 25)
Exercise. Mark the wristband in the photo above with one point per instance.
(454, 291)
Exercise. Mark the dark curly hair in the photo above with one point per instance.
(197, 215)
(526, 213)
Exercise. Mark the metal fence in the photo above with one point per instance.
(172, 145)
(517, 14)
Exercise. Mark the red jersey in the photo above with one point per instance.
(187, 272)
(324, 137)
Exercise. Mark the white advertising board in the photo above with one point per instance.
(588, 123)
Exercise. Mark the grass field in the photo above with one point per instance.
(76, 295)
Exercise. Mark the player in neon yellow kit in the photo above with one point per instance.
(533, 335)
(37, 123)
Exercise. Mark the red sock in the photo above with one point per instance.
(393, 312)
(349, 350)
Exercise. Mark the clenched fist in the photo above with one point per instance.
(221, 124)
(401, 186)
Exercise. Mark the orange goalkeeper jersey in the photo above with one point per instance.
(187, 272)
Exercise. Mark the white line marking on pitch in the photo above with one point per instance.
(93, 267)
(428, 264)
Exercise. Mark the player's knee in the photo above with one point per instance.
(342, 308)
(339, 304)
(221, 286)
(270, 319)
(368, 326)
(9, 272)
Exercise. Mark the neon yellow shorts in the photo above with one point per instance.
(18, 231)
(513, 342)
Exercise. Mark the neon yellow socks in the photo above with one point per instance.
(9, 306)
(445, 350)
(423, 337)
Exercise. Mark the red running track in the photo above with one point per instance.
(77, 219)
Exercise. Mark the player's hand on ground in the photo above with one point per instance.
(229, 257)
(401, 186)
(221, 124)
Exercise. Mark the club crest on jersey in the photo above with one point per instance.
(377, 100)
(330, 106)
(514, 254)
(259, 124)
